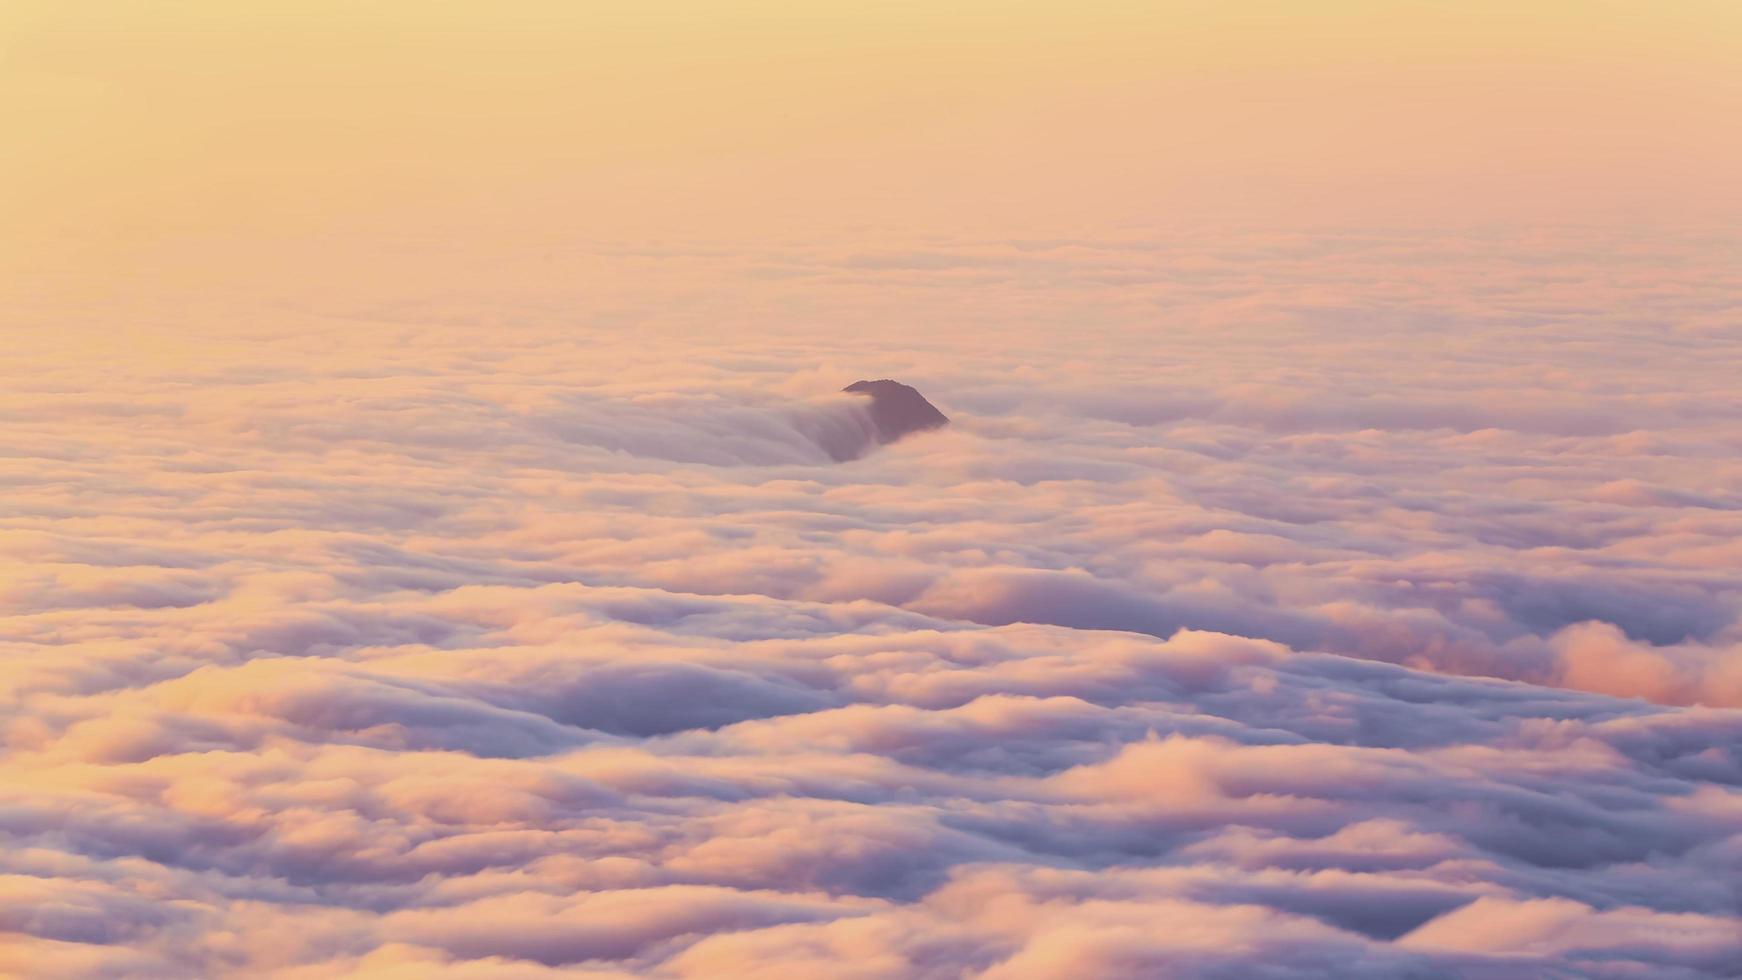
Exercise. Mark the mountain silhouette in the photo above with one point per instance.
(897, 410)
(849, 429)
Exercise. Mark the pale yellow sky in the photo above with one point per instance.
(136, 126)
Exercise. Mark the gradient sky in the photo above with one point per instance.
(131, 126)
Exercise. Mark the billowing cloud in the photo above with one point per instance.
(1298, 606)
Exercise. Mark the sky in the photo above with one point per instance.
(421, 553)
(146, 126)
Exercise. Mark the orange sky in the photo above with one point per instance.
(135, 126)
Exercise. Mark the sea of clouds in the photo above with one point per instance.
(1299, 606)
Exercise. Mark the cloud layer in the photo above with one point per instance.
(1294, 607)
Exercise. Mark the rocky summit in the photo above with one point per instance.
(898, 410)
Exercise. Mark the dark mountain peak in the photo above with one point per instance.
(897, 409)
